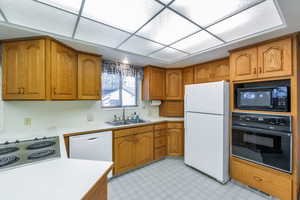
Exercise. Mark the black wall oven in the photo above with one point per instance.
(273, 98)
(263, 139)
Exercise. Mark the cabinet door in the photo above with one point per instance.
(24, 70)
(171, 109)
(202, 73)
(188, 75)
(35, 70)
(157, 84)
(174, 85)
(89, 74)
(175, 142)
(63, 72)
(144, 148)
(124, 154)
(243, 64)
(220, 70)
(13, 71)
(275, 59)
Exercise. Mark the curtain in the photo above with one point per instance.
(112, 67)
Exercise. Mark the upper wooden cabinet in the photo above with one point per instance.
(188, 75)
(24, 70)
(212, 71)
(63, 72)
(45, 69)
(174, 90)
(89, 84)
(153, 83)
(272, 59)
(171, 109)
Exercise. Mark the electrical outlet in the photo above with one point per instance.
(27, 121)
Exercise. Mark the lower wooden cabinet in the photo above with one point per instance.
(98, 191)
(275, 183)
(144, 148)
(175, 139)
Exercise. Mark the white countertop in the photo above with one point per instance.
(56, 179)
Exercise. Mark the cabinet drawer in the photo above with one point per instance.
(132, 131)
(160, 126)
(175, 125)
(160, 133)
(160, 153)
(160, 141)
(273, 182)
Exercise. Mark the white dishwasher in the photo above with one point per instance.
(94, 146)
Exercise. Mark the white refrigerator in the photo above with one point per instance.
(207, 129)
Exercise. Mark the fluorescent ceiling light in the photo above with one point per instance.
(140, 46)
(197, 42)
(100, 34)
(167, 28)
(206, 12)
(39, 16)
(128, 15)
(254, 20)
(69, 5)
(168, 54)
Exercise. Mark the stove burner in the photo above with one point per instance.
(8, 150)
(40, 145)
(41, 154)
(8, 160)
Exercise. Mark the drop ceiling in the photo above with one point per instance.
(163, 32)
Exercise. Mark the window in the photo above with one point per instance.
(118, 90)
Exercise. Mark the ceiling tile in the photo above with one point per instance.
(127, 15)
(140, 46)
(98, 33)
(207, 12)
(38, 16)
(165, 1)
(168, 54)
(197, 42)
(254, 20)
(69, 5)
(167, 28)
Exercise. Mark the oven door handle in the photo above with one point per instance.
(262, 131)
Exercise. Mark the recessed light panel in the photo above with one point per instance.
(168, 54)
(100, 34)
(167, 28)
(197, 42)
(38, 16)
(69, 5)
(127, 15)
(254, 20)
(140, 46)
(207, 12)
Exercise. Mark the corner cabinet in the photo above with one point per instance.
(63, 72)
(24, 70)
(153, 83)
(174, 90)
(45, 69)
(273, 59)
(89, 72)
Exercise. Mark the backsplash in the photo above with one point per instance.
(67, 114)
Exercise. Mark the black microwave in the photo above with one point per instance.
(275, 98)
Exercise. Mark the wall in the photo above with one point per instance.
(66, 114)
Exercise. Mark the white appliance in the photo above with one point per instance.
(94, 146)
(206, 128)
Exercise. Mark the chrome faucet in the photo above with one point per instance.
(123, 114)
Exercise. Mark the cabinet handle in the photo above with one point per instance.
(19, 91)
(254, 70)
(257, 178)
(23, 90)
(260, 70)
(54, 91)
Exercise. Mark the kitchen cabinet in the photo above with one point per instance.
(188, 75)
(272, 59)
(171, 109)
(243, 64)
(160, 141)
(133, 147)
(202, 73)
(175, 139)
(153, 83)
(63, 72)
(174, 90)
(89, 72)
(24, 70)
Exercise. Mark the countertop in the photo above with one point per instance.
(52, 180)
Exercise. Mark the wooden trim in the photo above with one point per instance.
(206, 62)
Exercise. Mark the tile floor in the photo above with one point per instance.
(171, 179)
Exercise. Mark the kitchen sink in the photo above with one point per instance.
(126, 122)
